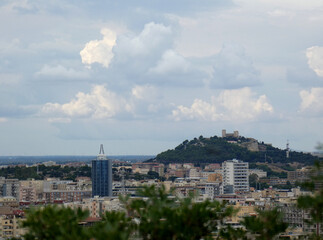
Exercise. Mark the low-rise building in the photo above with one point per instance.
(10, 224)
(259, 172)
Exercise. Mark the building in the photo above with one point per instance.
(259, 172)
(56, 190)
(235, 174)
(31, 190)
(235, 134)
(102, 175)
(212, 190)
(300, 175)
(9, 187)
(10, 224)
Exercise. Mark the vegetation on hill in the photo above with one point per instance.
(216, 150)
(66, 173)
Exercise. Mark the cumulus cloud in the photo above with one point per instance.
(147, 101)
(312, 101)
(315, 59)
(233, 68)
(60, 71)
(152, 40)
(149, 57)
(135, 54)
(144, 92)
(229, 105)
(171, 62)
(100, 51)
(99, 103)
(200, 110)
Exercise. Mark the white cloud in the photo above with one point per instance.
(315, 59)
(229, 105)
(144, 92)
(312, 101)
(147, 101)
(200, 110)
(60, 71)
(171, 62)
(233, 68)
(2, 120)
(100, 51)
(154, 38)
(100, 103)
(242, 103)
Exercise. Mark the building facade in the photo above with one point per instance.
(235, 174)
(101, 175)
(9, 187)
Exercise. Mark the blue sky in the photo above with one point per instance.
(143, 76)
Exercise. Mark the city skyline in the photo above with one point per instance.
(141, 77)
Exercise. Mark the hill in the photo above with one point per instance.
(217, 150)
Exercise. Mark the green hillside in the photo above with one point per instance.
(216, 150)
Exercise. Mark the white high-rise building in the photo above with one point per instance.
(235, 176)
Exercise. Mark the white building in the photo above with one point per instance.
(235, 174)
(260, 173)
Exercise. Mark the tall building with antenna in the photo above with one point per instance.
(101, 175)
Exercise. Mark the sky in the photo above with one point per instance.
(142, 76)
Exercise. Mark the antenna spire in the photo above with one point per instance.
(101, 149)
(287, 149)
(101, 155)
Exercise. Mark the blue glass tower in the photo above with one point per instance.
(101, 175)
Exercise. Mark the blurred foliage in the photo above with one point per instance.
(53, 222)
(314, 203)
(163, 216)
(266, 225)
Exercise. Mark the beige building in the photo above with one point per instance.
(10, 224)
(31, 190)
(8, 202)
(214, 177)
(245, 210)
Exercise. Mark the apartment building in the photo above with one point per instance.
(235, 176)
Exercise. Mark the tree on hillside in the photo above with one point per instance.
(266, 225)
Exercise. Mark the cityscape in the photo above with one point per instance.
(97, 186)
(161, 119)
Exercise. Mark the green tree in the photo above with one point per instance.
(314, 203)
(54, 222)
(231, 233)
(114, 225)
(266, 225)
(253, 179)
(163, 216)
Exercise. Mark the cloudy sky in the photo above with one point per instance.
(143, 76)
